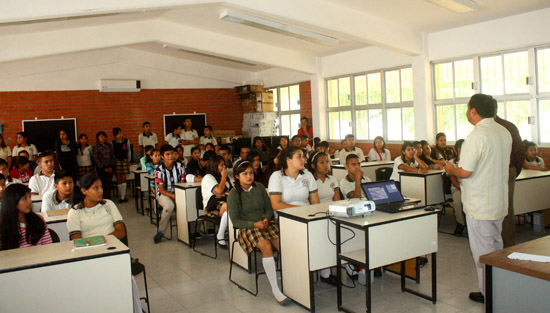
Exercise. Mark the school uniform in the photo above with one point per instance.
(347, 185)
(344, 153)
(485, 153)
(168, 178)
(31, 149)
(104, 158)
(204, 140)
(41, 183)
(396, 163)
(84, 161)
(293, 191)
(375, 155)
(99, 220)
(188, 135)
(536, 162)
(51, 202)
(327, 188)
(210, 203)
(147, 140)
(172, 140)
(5, 153)
(123, 155)
(66, 155)
(457, 200)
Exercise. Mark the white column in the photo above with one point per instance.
(318, 102)
(423, 102)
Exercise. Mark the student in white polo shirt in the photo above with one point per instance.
(147, 138)
(292, 186)
(351, 184)
(43, 181)
(409, 161)
(189, 137)
(59, 198)
(349, 148)
(483, 168)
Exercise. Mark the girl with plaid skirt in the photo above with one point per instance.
(250, 210)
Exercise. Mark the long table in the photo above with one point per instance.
(58, 223)
(532, 191)
(428, 187)
(368, 168)
(56, 278)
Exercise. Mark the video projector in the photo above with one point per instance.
(351, 208)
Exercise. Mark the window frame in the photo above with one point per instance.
(280, 113)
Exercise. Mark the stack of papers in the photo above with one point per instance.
(529, 257)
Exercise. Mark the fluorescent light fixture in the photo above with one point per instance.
(208, 55)
(459, 6)
(276, 27)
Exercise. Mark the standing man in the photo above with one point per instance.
(189, 137)
(483, 168)
(306, 129)
(147, 138)
(517, 157)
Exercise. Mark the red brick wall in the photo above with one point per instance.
(96, 111)
(305, 99)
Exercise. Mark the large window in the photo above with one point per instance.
(378, 103)
(518, 80)
(287, 105)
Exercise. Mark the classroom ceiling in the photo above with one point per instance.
(195, 29)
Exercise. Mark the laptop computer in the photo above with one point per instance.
(387, 197)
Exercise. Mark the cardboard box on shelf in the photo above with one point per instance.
(267, 107)
(249, 88)
(265, 97)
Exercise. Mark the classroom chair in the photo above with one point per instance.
(215, 221)
(383, 173)
(53, 234)
(142, 189)
(256, 272)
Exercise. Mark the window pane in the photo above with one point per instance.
(362, 124)
(544, 115)
(491, 75)
(501, 110)
(408, 123)
(394, 124)
(294, 124)
(374, 88)
(407, 84)
(360, 90)
(332, 93)
(516, 70)
(463, 127)
(446, 121)
(375, 124)
(295, 97)
(345, 123)
(443, 81)
(464, 77)
(392, 87)
(284, 99)
(285, 125)
(334, 125)
(543, 69)
(275, 101)
(345, 91)
(517, 112)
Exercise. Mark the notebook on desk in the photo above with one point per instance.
(387, 197)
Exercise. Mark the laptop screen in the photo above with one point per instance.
(382, 192)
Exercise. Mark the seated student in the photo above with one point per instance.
(2, 185)
(33, 167)
(418, 148)
(123, 156)
(181, 158)
(261, 149)
(23, 143)
(316, 141)
(407, 162)
(196, 169)
(21, 170)
(351, 184)
(59, 197)
(532, 161)
(167, 175)
(214, 187)
(283, 143)
(457, 193)
(174, 138)
(272, 166)
(92, 216)
(147, 137)
(43, 181)
(379, 151)
(208, 136)
(250, 210)
(427, 157)
(84, 156)
(5, 172)
(349, 148)
(243, 153)
(225, 153)
(296, 141)
(441, 151)
(66, 151)
(207, 147)
(292, 186)
(20, 227)
(256, 162)
(5, 151)
(153, 163)
(304, 144)
(147, 157)
(189, 137)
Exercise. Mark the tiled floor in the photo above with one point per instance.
(181, 280)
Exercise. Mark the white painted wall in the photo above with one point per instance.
(275, 77)
(82, 71)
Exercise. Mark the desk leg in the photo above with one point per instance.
(488, 289)
(433, 296)
(434, 277)
(338, 267)
(367, 272)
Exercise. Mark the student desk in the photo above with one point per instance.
(140, 182)
(186, 211)
(517, 285)
(58, 223)
(532, 191)
(389, 238)
(54, 278)
(36, 203)
(428, 187)
(368, 168)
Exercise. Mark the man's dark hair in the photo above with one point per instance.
(351, 157)
(485, 105)
(60, 175)
(166, 148)
(145, 123)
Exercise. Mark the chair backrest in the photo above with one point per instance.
(53, 234)
(125, 239)
(198, 200)
(383, 173)
(143, 183)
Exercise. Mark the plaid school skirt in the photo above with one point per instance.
(121, 168)
(83, 170)
(249, 237)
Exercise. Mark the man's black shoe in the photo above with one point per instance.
(331, 280)
(477, 297)
(458, 230)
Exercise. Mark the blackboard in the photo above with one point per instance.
(44, 133)
(199, 121)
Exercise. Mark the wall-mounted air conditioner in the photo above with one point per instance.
(119, 85)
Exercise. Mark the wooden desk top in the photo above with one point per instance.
(36, 198)
(529, 174)
(56, 253)
(539, 246)
(54, 218)
(187, 185)
(367, 164)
